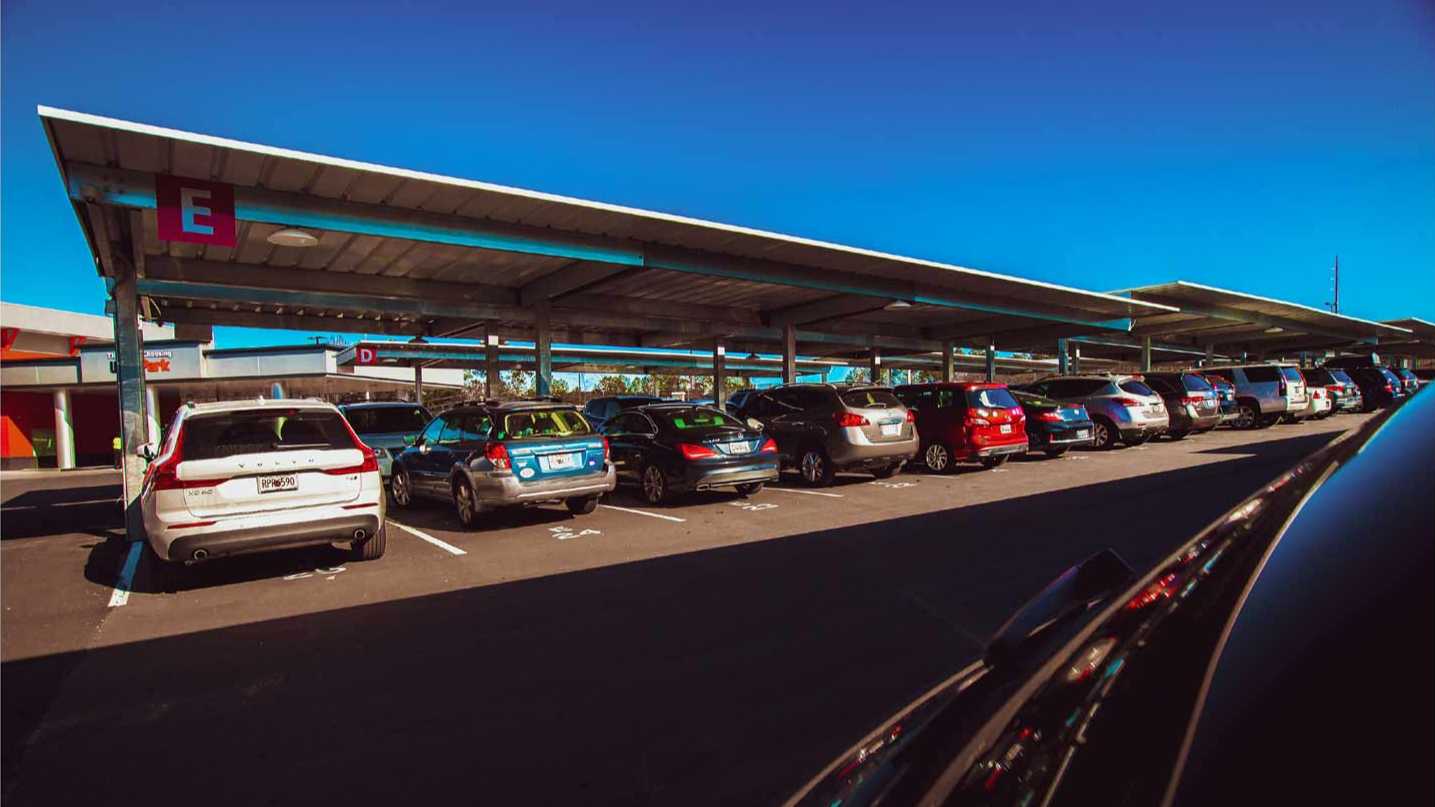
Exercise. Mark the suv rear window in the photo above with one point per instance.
(1261, 375)
(995, 397)
(386, 419)
(212, 437)
(1195, 383)
(874, 398)
(1340, 376)
(1136, 388)
(1292, 374)
(692, 417)
(543, 423)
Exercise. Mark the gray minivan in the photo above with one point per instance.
(1264, 392)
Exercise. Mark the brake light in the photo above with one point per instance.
(606, 450)
(164, 475)
(911, 416)
(1050, 417)
(1193, 400)
(1129, 402)
(1389, 388)
(848, 419)
(979, 417)
(1317, 393)
(497, 456)
(769, 446)
(370, 463)
(1334, 388)
(692, 451)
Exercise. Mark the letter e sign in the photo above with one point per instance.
(194, 210)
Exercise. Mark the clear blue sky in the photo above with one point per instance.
(1100, 145)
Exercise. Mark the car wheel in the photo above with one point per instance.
(400, 490)
(372, 548)
(938, 458)
(816, 468)
(887, 471)
(995, 462)
(655, 485)
(581, 505)
(466, 503)
(749, 489)
(1245, 417)
(1103, 434)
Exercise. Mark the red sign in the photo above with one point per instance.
(195, 211)
(366, 355)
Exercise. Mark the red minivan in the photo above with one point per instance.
(965, 421)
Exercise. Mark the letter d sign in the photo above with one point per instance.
(195, 211)
(366, 355)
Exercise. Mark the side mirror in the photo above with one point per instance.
(147, 450)
(1083, 586)
(424, 448)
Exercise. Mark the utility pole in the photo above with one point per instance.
(1334, 304)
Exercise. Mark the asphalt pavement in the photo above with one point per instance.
(717, 650)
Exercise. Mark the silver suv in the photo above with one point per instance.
(824, 428)
(1121, 406)
(1264, 393)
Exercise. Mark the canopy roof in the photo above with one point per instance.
(403, 251)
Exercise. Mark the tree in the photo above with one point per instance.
(612, 385)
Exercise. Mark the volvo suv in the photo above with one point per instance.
(1122, 408)
(821, 429)
(1264, 393)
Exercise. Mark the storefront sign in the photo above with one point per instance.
(183, 361)
(194, 211)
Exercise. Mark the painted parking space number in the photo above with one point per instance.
(753, 507)
(564, 533)
(327, 572)
(893, 485)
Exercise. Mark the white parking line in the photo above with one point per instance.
(643, 513)
(807, 492)
(447, 547)
(121, 594)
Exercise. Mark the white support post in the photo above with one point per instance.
(949, 361)
(1063, 358)
(151, 412)
(991, 360)
(1145, 354)
(64, 431)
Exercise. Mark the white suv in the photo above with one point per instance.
(245, 476)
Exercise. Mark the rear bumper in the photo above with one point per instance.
(997, 451)
(504, 489)
(846, 454)
(241, 536)
(1199, 423)
(697, 477)
(1064, 435)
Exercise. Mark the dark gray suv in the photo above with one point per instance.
(821, 429)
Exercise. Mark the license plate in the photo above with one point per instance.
(739, 448)
(560, 462)
(278, 482)
(891, 429)
(1082, 434)
(1005, 428)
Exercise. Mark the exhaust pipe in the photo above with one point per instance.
(199, 554)
(360, 534)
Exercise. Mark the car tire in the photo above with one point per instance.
(1248, 416)
(1057, 453)
(938, 458)
(887, 471)
(372, 548)
(995, 462)
(401, 491)
(581, 505)
(816, 468)
(465, 502)
(655, 484)
(1103, 434)
(749, 489)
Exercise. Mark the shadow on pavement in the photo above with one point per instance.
(59, 510)
(722, 676)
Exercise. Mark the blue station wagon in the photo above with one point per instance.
(486, 456)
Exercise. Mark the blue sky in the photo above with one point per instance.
(1100, 145)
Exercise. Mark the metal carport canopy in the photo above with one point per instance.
(409, 252)
(1419, 344)
(1234, 322)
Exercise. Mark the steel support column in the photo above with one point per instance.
(490, 365)
(543, 350)
(1063, 359)
(1076, 357)
(64, 431)
(875, 365)
(1210, 353)
(129, 378)
(719, 372)
(949, 361)
(419, 384)
(991, 360)
(151, 414)
(1145, 354)
(789, 353)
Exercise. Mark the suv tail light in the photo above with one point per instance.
(1128, 402)
(164, 475)
(979, 417)
(1050, 417)
(1193, 400)
(369, 463)
(911, 416)
(607, 451)
(769, 446)
(497, 455)
(692, 451)
(1389, 388)
(850, 419)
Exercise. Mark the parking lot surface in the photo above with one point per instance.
(718, 650)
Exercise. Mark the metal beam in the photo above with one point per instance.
(543, 350)
(1063, 357)
(875, 365)
(299, 281)
(1249, 317)
(490, 364)
(719, 373)
(948, 361)
(246, 318)
(568, 279)
(789, 354)
(842, 305)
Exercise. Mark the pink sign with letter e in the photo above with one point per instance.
(195, 211)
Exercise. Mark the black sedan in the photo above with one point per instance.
(1262, 662)
(676, 447)
(1053, 426)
